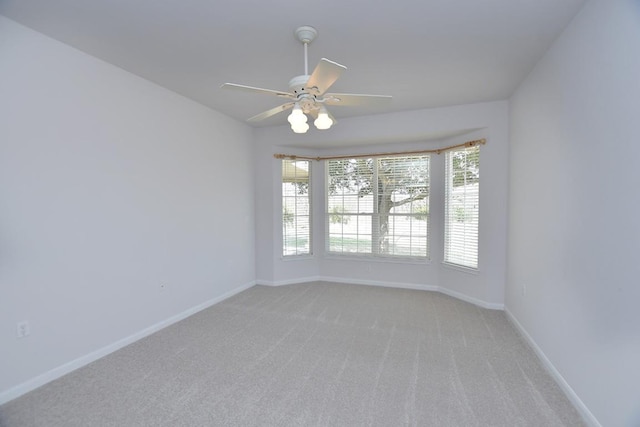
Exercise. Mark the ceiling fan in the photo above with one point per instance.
(307, 93)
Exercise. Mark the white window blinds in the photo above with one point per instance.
(378, 206)
(296, 208)
(462, 199)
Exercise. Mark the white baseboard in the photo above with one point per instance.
(472, 300)
(401, 285)
(582, 409)
(288, 282)
(56, 373)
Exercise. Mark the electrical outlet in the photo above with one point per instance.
(524, 290)
(23, 329)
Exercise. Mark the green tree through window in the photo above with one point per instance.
(382, 204)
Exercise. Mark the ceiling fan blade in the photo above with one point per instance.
(352, 99)
(271, 112)
(257, 90)
(324, 75)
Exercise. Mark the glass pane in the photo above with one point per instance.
(296, 230)
(461, 207)
(391, 191)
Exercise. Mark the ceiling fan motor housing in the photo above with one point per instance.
(306, 96)
(298, 85)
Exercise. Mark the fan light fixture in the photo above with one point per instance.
(323, 121)
(298, 120)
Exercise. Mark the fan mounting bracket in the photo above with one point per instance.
(306, 34)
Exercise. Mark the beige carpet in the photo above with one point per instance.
(317, 354)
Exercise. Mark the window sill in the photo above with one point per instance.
(461, 268)
(380, 259)
(296, 257)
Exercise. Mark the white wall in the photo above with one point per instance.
(392, 132)
(109, 187)
(574, 236)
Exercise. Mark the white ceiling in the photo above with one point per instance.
(425, 53)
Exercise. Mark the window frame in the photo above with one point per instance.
(465, 259)
(374, 253)
(309, 196)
